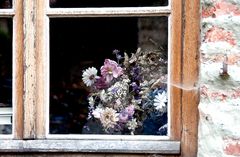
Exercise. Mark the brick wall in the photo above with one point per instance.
(219, 126)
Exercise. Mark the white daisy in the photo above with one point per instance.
(160, 101)
(89, 76)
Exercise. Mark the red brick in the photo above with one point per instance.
(223, 8)
(220, 8)
(232, 148)
(219, 34)
(207, 12)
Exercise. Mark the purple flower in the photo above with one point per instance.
(116, 51)
(123, 117)
(126, 114)
(135, 72)
(135, 87)
(100, 83)
(110, 70)
(114, 90)
(130, 110)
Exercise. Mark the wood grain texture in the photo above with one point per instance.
(81, 155)
(30, 70)
(190, 97)
(18, 70)
(42, 69)
(90, 146)
(109, 12)
(176, 70)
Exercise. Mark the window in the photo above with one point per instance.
(6, 75)
(55, 41)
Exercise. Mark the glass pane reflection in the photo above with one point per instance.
(78, 44)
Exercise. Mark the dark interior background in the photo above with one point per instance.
(5, 68)
(76, 44)
(79, 43)
(5, 3)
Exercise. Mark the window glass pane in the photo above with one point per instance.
(5, 76)
(5, 4)
(106, 3)
(101, 83)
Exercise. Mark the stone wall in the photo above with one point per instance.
(219, 126)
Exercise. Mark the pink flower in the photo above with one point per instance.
(130, 110)
(110, 70)
(126, 114)
(123, 117)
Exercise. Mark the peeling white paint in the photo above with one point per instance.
(219, 119)
(218, 122)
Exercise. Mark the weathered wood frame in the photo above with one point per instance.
(31, 60)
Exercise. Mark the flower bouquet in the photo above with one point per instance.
(130, 95)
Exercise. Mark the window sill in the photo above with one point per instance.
(88, 146)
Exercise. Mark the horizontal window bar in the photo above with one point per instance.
(6, 12)
(98, 146)
(5, 110)
(4, 137)
(108, 137)
(5, 119)
(105, 12)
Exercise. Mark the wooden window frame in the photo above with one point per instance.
(31, 80)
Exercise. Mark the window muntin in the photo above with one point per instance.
(91, 41)
(105, 3)
(6, 76)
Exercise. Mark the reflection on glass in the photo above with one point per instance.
(101, 82)
(5, 4)
(106, 3)
(5, 76)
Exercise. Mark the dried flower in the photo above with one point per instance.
(128, 94)
(97, 112)
(91, 101)
(110, 70)
(132, 125)
(109, 118)
(130, 110)
(126, 114)
(89, 76)
(123, 117)
(160, 101)
(100, 83)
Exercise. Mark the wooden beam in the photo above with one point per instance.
(176, 70)
(108, 12)
(90, 146)
(18, 70)
(30, 70)
(42, 67)
(190, 95)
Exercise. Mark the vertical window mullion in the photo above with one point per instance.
(176, 69)
(42, 68)
(18, 70)
(30, 70)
